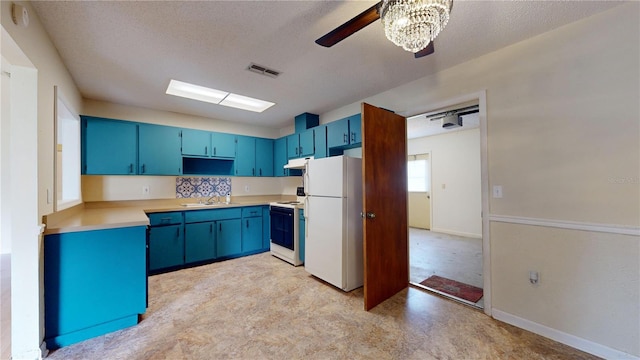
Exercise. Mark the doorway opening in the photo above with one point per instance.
(445, 211)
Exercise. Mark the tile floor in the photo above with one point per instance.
(259, 307)
(453, 257)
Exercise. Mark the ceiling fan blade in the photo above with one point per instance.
(350, 27)
(426, 51)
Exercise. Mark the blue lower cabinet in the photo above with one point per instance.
(166, 247)
(199, 242)
(228, 238)
(266, 229)
(301, 233)
(94, 283)
(252, 234)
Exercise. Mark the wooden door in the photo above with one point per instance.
(384, 184)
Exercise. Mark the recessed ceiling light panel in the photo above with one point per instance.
(195, 92)
(218, 97)
(246, 103)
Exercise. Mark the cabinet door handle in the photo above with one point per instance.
(220, 227)
(344, 138)
(253, 172)
(260, 172)
(214, 151)
(210, 228)
(353, 137)
(177, 232)
(300, 150)
(247, 224)
(143, 168)
(206, 148)
(130, 168)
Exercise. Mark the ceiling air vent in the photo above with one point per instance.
(263, 70)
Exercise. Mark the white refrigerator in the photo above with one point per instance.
(333, 225)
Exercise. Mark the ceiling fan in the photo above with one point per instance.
(398, 16)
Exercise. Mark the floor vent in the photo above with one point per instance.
(263, 70)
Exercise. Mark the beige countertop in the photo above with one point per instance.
(116, 214)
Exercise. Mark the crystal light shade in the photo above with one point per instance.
(412, 24)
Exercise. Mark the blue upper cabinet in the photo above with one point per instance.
(355, 129)
(293, 146)
(159, 150)
(320, 141)
(264, 157)
(306, 143)
(224, 145)
(300, 145)
(110, 147)
(338, 133)
(280, 157)
(345, 133)
(196, 142)
(245, 163)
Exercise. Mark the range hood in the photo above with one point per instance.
(298, 163)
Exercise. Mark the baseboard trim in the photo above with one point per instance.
(44, 352)
(565, 224)
(456, 233)
(562, 337)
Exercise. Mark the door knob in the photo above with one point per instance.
(371, 215)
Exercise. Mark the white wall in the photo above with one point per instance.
(456, 199)
(37, 46)
(563, 140)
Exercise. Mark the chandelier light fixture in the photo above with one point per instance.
(413, 24)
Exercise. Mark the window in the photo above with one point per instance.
(67, 155)
(419, 179)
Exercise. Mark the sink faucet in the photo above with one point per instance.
(210, 200)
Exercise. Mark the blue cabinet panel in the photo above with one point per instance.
(228, 238)
(264, 157)
(245, 162)
(224, 145)
(110, 147)
(306, 143)
(338, 133)
(280, 158)
(320, 141)
(355, 129)
(166, 247)
(266, 228)
(212, 215)
(165, 218)
(94, 283)
(159, 150)
(301, 233)
(199, 242)
(293, 146)
(196, 142)
(252, 233)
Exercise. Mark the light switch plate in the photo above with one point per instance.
(497, 191)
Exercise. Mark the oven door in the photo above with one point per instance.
(282, 226)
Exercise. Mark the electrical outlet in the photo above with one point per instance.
(145, 190)
(246, 188)
(534, 277)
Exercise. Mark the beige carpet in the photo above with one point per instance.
(260, 307)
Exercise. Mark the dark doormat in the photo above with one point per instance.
(455, 288)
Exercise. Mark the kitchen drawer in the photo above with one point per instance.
(251, 211)
(211, 215)
(166, 218)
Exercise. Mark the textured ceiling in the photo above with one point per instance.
(127, 51)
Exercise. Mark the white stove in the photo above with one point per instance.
(285, 237)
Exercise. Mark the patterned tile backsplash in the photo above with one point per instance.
(195, 187)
